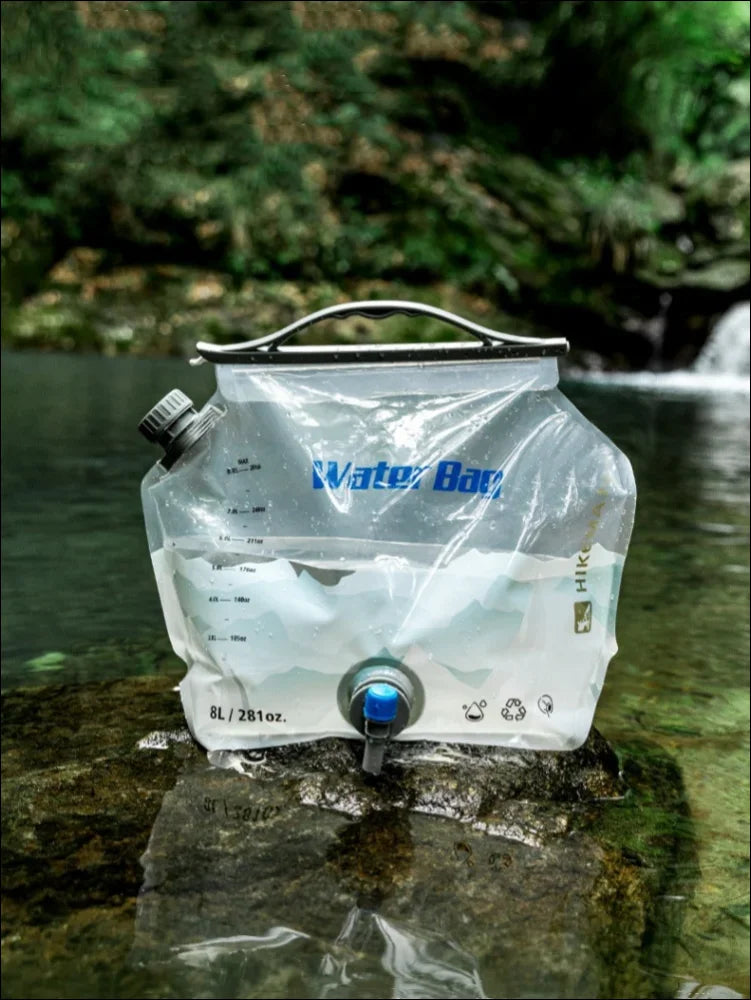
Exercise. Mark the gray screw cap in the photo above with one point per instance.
(160, 419)
(175, 425)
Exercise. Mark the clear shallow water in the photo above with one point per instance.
(74, 549)
(681, 677)
(77, 574)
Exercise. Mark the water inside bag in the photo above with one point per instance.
(459, 521)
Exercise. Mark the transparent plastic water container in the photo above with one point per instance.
(410, 542)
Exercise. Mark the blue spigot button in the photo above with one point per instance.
(381, 703)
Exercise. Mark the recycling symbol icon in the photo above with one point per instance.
(513, 710)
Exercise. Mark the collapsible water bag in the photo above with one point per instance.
(410, 542)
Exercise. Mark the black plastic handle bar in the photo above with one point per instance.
(370, 309)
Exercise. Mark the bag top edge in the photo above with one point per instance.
(384, 354)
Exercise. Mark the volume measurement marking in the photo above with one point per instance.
(220, 713)
(243, 465)
(239, 538)
(218, 567)
(233, 538)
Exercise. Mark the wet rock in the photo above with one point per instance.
(726, 275)
(460, 872)
(165, 309)
(727, 187)
(26, 252)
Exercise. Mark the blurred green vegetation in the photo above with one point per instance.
(563, 163)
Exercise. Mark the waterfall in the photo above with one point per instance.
(727, 349)
(720, 372)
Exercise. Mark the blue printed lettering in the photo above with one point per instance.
(399, 477)
(450, 476)
(333, 477)
(447, 476)
(490, 483)
(361, 477)
(380, 472)
(469, 482)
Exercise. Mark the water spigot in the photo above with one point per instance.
(381, 700)
(379, 710)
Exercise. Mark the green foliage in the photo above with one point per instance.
(665, 79)
(320, 141)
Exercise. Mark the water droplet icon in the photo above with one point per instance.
(474, 712)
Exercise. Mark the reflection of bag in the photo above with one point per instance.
(421, 963)
(438, 516)
(299, 877)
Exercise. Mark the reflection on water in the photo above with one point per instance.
(681, 677)
(202, 954)
(248, 892)
(686, 383)
(419, 964)
(76, 569)
(78, 574)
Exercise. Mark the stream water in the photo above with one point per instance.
(76, 575)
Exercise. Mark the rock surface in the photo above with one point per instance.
(135, 866)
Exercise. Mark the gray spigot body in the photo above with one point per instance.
(381, 701)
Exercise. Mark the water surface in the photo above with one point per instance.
(76, 574)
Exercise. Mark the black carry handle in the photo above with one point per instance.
(266, 348)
